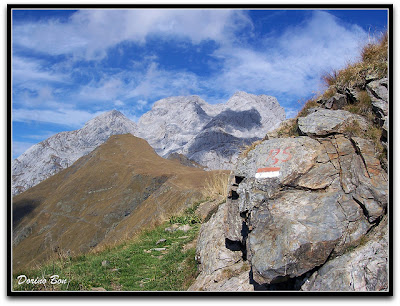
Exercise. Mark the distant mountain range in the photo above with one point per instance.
(209, 135)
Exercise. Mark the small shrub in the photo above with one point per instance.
(329, 93)
(186, 219)
(374, 133)
(353, 129)
(362, 107)
(330, 78)
(288, 129)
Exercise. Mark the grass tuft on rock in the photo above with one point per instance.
(373, 63)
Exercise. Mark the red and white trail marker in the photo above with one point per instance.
(268, 172)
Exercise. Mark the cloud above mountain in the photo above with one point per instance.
(70, 65)
(88, 34)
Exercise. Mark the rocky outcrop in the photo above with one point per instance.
(211, 135)
(324, 122)
(362, 269)
(61, 150)
(221, 269)
(305, 209)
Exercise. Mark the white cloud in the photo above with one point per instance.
(294, 64)
(140, 104)
(291, 112)
(290, 66)
(119, 103)
(69, 117)
(106, 28)
(27, 70)
(107, 89)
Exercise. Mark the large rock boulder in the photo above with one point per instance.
(325, 122)
(363, 269)
(378, 89)
(297, 202)
(337, 101)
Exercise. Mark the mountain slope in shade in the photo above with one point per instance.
(63, 149)
(211, 135)
(110, 194)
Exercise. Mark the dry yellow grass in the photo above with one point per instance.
(374, 62)
(217, 185)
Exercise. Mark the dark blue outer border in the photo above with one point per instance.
(386, 294)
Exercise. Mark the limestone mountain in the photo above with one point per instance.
(63, 149)
(108, 195)
(210, 134)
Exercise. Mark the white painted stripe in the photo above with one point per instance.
(267, 174)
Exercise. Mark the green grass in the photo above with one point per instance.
(133, 266)
(189, 216)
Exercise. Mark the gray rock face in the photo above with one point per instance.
(378, 89)
(211, 135)
(296, 203)
(325, 122)
(210, 251)
(221, 269)
(336, 102)
(63, 149)
(363, 269)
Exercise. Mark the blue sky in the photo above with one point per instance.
(69, 66)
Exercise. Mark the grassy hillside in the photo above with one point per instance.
(104, 198)
(136, 265)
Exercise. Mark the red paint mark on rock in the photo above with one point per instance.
(267, 172)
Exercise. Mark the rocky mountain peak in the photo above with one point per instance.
(112, 120)
(242, 100)
(184, 125)
(63, 149)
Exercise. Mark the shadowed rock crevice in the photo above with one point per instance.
(283, 283)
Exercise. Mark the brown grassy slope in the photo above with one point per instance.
(107, 196)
